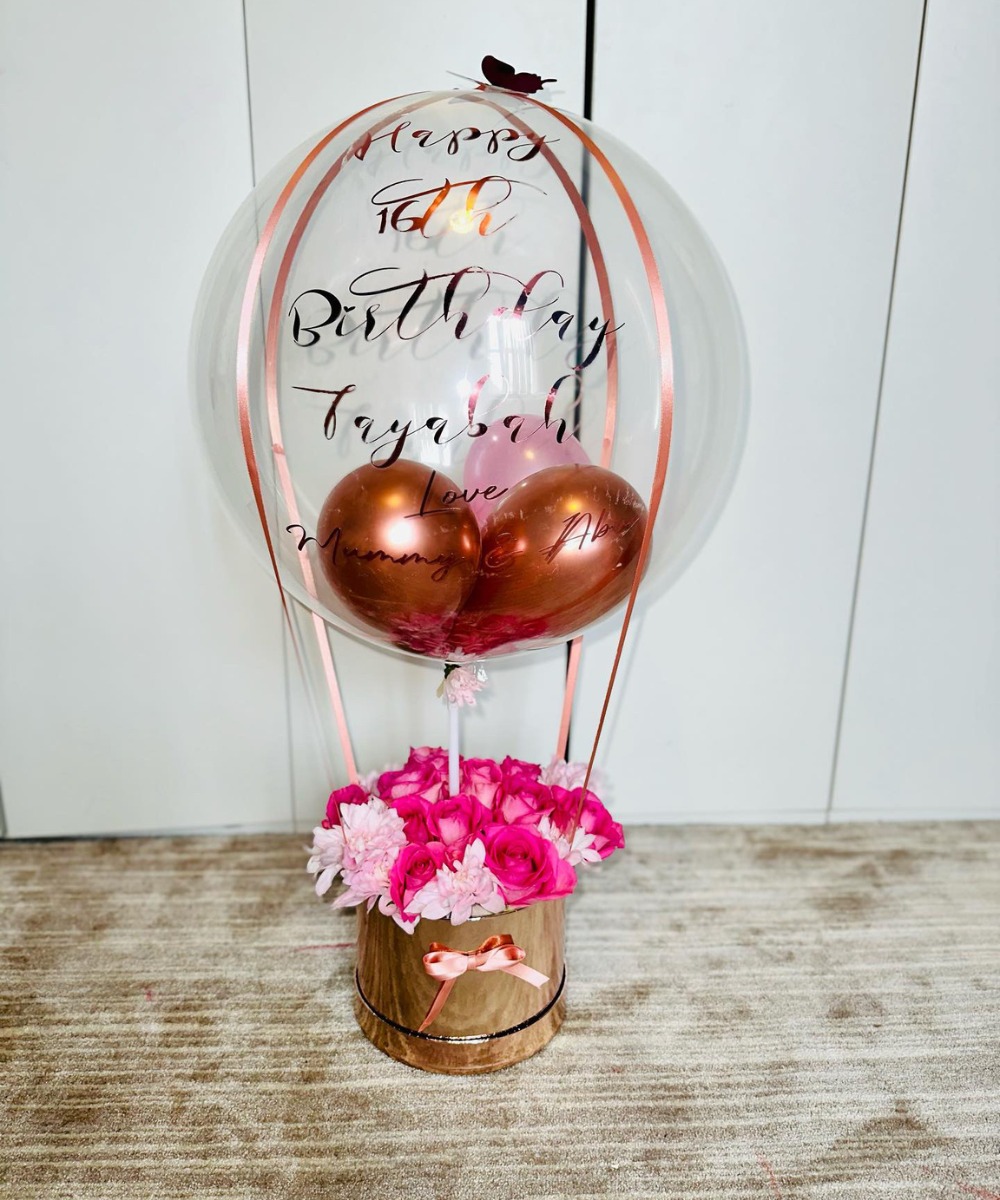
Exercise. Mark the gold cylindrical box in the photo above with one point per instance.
(490, 1019)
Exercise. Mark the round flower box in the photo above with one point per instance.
(459, 882)
(491, 1016)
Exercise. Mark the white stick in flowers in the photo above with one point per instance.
(459, 688)
(454, 783)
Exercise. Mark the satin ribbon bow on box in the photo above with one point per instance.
(497, 953)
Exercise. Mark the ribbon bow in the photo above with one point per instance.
(497, 953)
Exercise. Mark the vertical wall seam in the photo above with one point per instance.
(849, 646)
(588, 60)
(246, 75)
(588, 103)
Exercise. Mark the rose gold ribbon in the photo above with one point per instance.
(664, 340)
(666, 372)
(597, 258)
(244, 337)
(270, 354)
(593, 244)
(272, 330)
(497, 953)
(569, 690)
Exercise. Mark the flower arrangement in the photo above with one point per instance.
(512, 836)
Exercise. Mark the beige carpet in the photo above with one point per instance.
(769, 1012)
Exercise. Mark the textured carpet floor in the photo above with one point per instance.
(773, 1012)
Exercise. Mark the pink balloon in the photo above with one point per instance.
(510, 450)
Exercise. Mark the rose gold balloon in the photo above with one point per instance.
(400, 546)
(559, 551)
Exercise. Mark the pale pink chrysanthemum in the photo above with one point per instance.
(327, 856)
(387, 908)
(455, 892)
(373, 837)
(568, 775)
(579, 850)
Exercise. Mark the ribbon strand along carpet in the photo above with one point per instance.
(766, 1012)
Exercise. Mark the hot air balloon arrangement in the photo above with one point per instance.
(469, 374)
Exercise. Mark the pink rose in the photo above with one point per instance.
(516, 768)
(413, 810)
(481, 777)
(566, 801)
(352, 794)
(526, 866)
(431, 754)
(523, 801)
(456, 819)
(458, 889)
(425, 773)
(595, 819)
(415, 866)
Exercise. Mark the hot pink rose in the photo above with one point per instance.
(527, 867)
(523, 801)
(516, 768)
(352, 794)
(425, 773)
(432, 754)
(481, 777)
(413, 810)
(415, 866)
(456, 819)
(566, 802)
(595, 819)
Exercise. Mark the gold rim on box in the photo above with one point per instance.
(472, 1039)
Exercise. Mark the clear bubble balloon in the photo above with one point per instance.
(439, 358)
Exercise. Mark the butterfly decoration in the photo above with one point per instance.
(503, 75)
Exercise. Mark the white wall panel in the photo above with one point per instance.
(142, 668)
(313, 63)
(783, 125)
(142, 674)
(922, 710)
